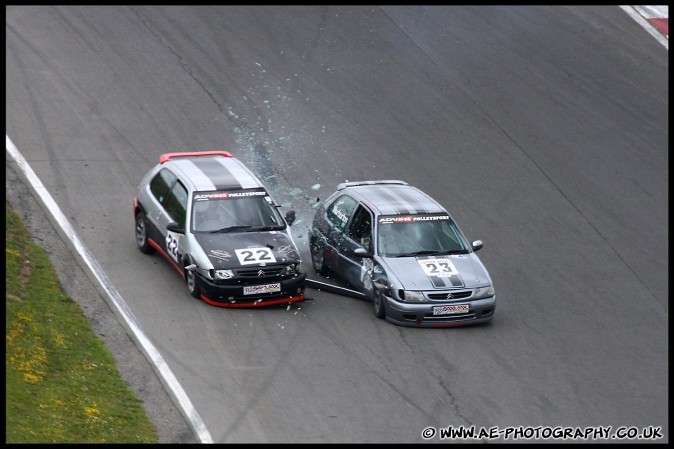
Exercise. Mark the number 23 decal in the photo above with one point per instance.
(438, 267)
(249, 256)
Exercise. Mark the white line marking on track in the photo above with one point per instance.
(115, 299)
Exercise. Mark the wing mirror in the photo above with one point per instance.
(175, 227)
(290, 217)
(361, 252)
(477, 244)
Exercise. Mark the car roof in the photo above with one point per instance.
(392, 197)
(206, 172)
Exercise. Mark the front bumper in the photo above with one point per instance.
(232, 295)
(421, 314)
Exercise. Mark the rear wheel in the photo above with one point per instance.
(318, 257)
(141, 234)
(192, 283)
(378, 306)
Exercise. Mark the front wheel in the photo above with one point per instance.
(378, 306)
(141, 234)
(192, 283)
(318, 257)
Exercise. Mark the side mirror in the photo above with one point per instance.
(361, 252)
(175, 227)
(477, 244)
(290, 217)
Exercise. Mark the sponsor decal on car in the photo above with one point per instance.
(220, 254)
(412, 218)
(451, 309)
(257, 289)
(229, 195)
(285, 250)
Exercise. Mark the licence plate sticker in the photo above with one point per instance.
(451, 309)
(257, 289)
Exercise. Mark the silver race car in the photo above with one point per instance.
(402, 250)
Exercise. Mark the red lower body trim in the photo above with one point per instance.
(154, 244)
(448, 324)
(255, 304)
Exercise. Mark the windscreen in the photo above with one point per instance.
(229, 211)
(415, 235)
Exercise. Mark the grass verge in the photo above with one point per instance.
(62, 383)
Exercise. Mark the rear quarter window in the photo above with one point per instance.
(340, 211)
(176, 203)
(160, 184)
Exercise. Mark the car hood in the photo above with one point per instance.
(221, 249)
(460, 271)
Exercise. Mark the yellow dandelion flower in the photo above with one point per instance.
(58, 339)
(15, 331)
(31, 379)
(12, 252)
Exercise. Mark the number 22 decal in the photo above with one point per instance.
(438, 267)
(249, 256)
(172, 245)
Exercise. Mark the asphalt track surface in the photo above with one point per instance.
(543, 129)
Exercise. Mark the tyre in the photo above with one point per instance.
(318, 257)
(141, 234)
(378, 306)
(192, 282)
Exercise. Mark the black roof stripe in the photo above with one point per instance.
(392, 201)
(219, 175)
(415, 203)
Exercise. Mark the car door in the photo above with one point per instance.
(153, 203)
(356, 269)
(174, 210)
(337, 214)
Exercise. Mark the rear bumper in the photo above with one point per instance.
(233, 295)
(421, 315)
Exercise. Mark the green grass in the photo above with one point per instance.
(62, 383)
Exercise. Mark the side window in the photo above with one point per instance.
(360, 229)
(176, 203)
(161, 183)
(340, 211)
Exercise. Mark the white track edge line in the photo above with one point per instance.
(115, 299)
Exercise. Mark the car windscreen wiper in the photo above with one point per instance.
(431, 252)
(425, 252)
(265, 228)
(230, 228)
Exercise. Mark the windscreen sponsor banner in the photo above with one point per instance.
(411, 218)
(230, 195)
(441, 271)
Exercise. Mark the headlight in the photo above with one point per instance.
(224, 274)
(484, 292)
(412, 296)
(293, 268)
